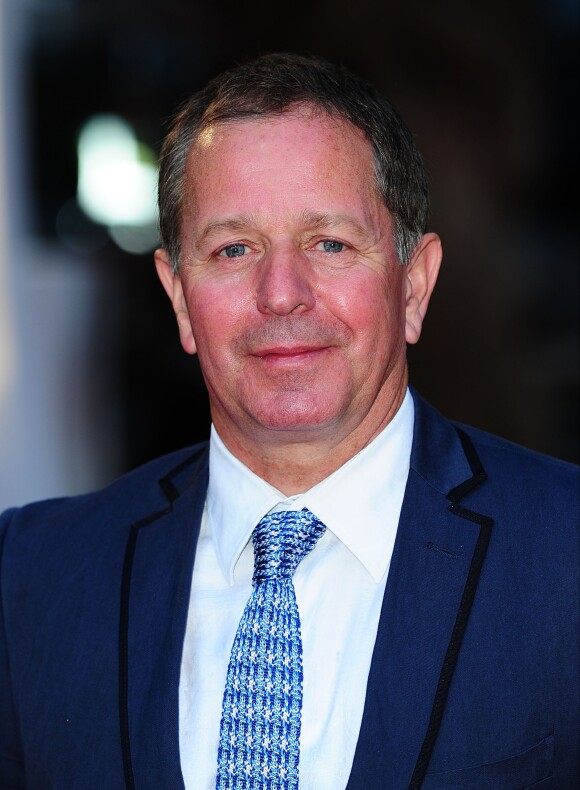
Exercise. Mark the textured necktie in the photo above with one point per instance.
(259, 746)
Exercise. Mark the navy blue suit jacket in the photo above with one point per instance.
(473, 682)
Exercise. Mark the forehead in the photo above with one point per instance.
(304, 160)
(299, 150)
(302, 120)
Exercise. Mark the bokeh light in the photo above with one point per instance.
(117, 178)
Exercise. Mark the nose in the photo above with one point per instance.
(285, 284)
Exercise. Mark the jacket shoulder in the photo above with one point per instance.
(533, 500)
(527, 467)
(123, 501)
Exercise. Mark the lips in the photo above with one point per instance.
(289, 354)
(286, 351)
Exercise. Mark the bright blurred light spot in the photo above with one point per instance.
(117, 178)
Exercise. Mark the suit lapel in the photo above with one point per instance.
(155, 598)
(418, 631)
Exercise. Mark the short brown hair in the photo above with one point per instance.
(272, 85)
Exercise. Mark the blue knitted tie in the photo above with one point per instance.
(259, 745)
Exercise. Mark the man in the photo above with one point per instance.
(429, 637)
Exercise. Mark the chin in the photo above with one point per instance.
(295, 414)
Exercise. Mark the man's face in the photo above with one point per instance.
(290, 290)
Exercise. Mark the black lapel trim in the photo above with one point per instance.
(172, 493)
(467, 598)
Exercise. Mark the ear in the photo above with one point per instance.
(174, 289)
(421, 273)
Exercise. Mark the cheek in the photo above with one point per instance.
(215, 310)
(372, 306)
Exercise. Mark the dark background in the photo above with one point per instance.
(490, 91)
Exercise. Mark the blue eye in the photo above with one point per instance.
(233, 250)
(330, 245)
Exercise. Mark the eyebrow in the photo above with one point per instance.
(316, 220)
(311, 220)
(234, 224)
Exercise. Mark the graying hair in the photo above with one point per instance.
(271, 86)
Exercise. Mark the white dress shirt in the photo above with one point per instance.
(339, 590)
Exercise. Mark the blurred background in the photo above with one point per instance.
(92, 378)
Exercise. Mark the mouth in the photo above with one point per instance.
(290, 354)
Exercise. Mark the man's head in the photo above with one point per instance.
(290, 286)
(273, 85)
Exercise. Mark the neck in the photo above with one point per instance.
(294, 463)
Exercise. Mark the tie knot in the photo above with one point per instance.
(282, 540)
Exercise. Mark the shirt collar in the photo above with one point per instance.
(359, 503)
